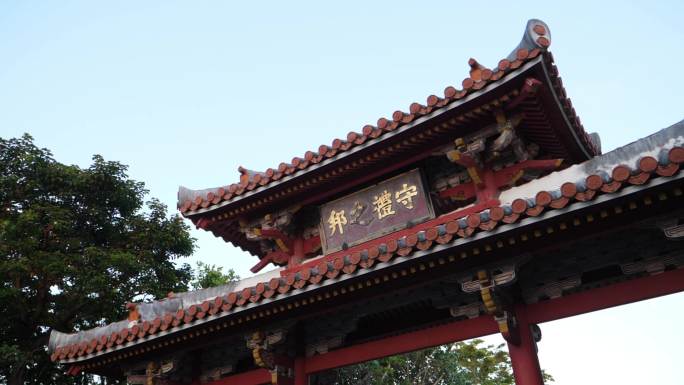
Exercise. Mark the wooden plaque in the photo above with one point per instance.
(377, 210)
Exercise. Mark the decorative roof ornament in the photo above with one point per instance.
(534, 44)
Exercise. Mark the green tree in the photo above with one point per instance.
(461, 363)
(206, 275)
(75, 246)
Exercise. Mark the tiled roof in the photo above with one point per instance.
(661, 161)
(535, 42)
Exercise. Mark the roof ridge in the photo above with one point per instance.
(536, 40)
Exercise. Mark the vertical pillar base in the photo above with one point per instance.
(524, 358)
(300, 376)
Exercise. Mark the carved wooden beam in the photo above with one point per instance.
(492, 181)
(280, 366)
(486, 180)
(496, 301)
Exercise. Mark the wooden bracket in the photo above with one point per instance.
(283, 371)
(499, 307)
(281, 367)
(481, 158)
(508, 327)
(493, 181)
(288, 250)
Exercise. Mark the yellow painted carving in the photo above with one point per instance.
(472, 171)
(454, 155)
(503, 325)
(336, 221)
(488, 300)
(405, 195)
(383, 204)
(255, 344)
(517, 176)
(486, 293)
(281, 245)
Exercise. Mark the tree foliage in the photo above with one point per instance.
(75, 246)
(206, 275)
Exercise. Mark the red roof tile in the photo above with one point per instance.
(536, 41)
(439, 231)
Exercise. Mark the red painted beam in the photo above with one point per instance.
(254, 377)
(311, 244)
(263, 262)
(596, 299)
(460, 192)
(622, 293)
(420, 339)
(509, 175)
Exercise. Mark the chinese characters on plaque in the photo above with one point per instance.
(377, 210)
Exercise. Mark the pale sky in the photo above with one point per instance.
(185, 92)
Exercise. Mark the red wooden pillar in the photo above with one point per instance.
(524, 358)
(297, 253)
(300, 376)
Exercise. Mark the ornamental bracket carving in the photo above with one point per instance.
(496, 300)
(262, 345)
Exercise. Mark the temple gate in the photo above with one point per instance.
(486, 210)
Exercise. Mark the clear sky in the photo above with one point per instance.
(185, 92)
